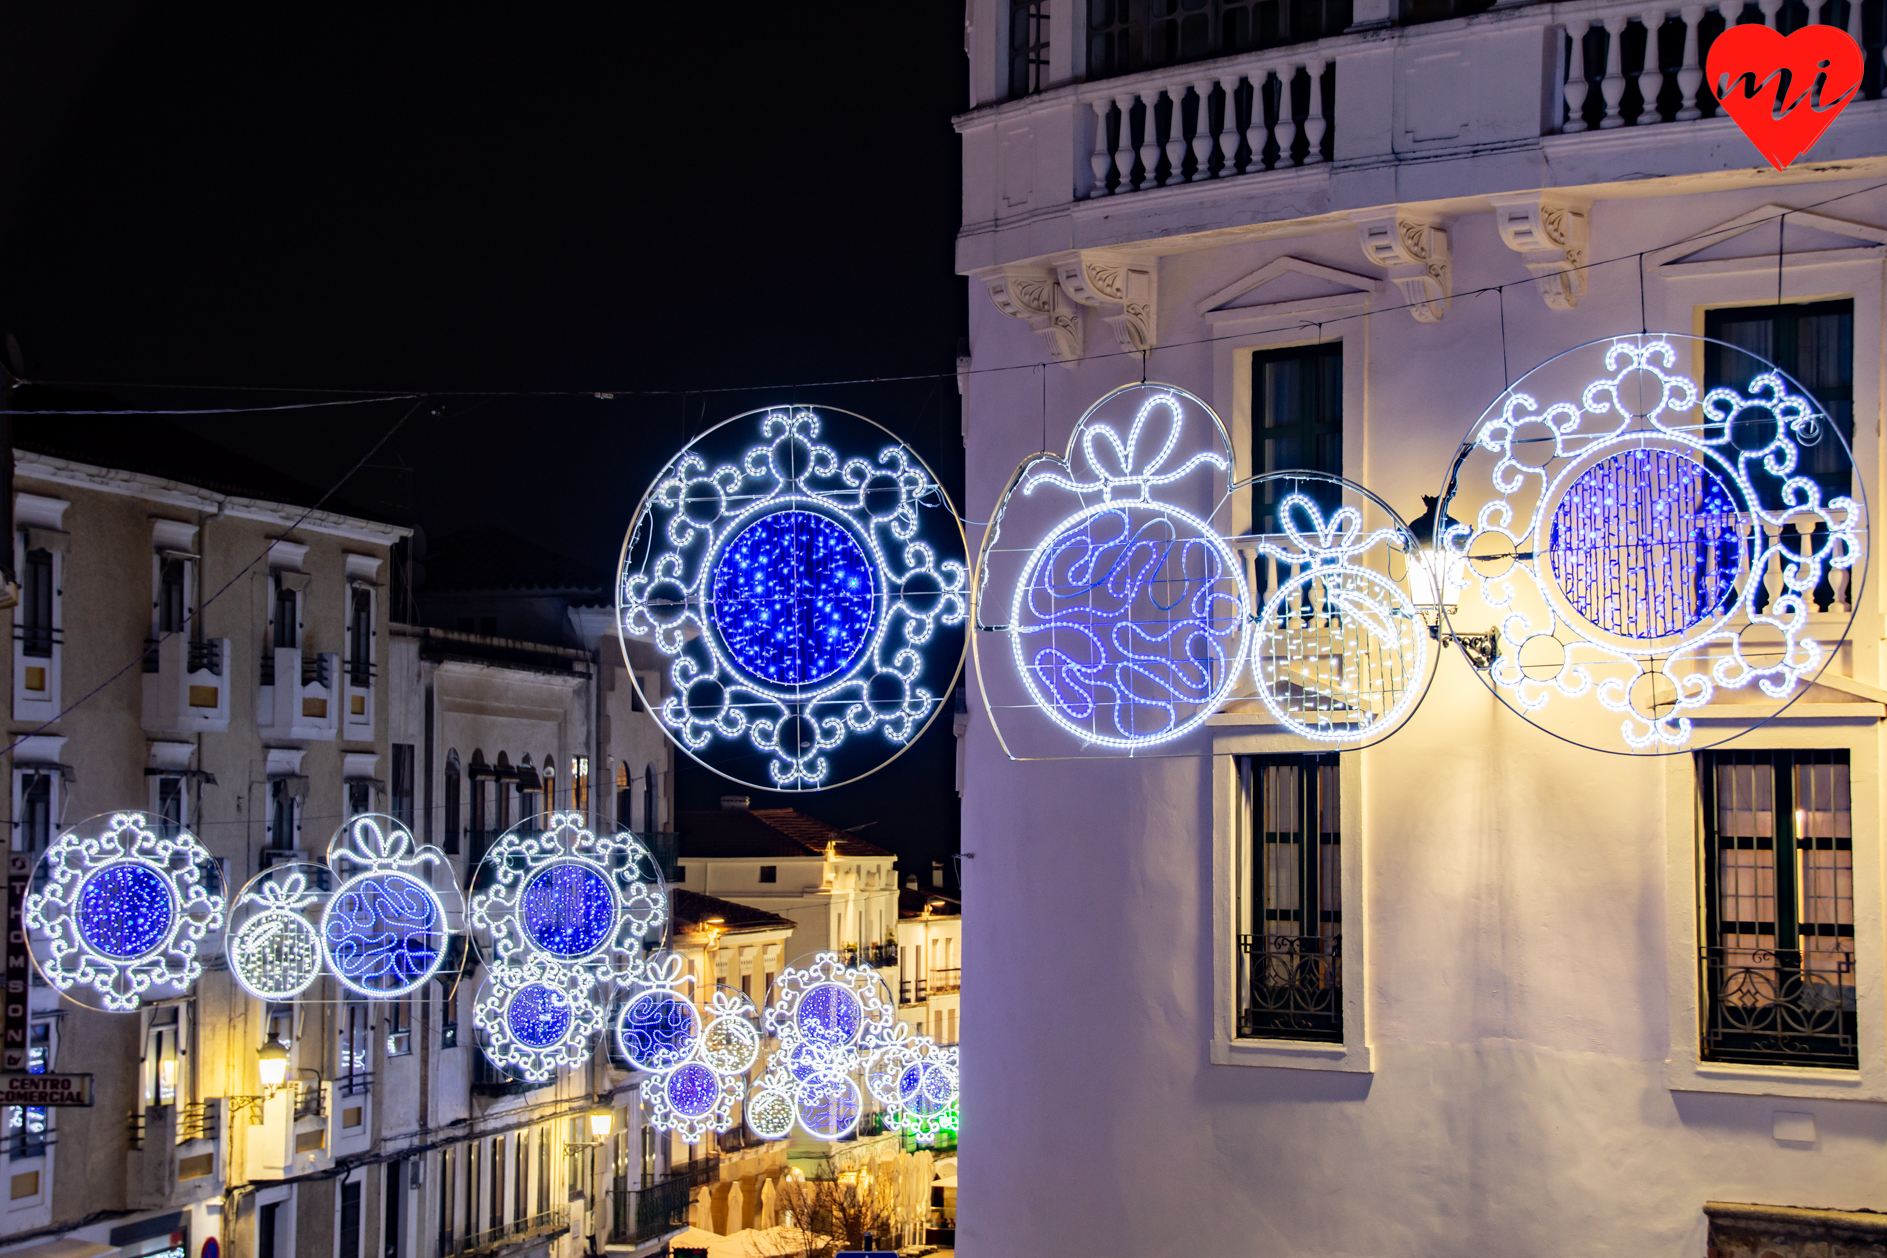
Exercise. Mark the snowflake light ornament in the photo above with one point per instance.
(1644, 543)
(1341, 652)
(916, 1080)
(272, 946)
(120, 909)
(697, 1056)
(1128, 614)
(535, 1016)
(826, 1018)
(384, 930)
(813, 604)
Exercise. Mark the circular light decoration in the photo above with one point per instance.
(384, 930)
(697, 1057)
(535, 1017)
(1341, 650)
(829, 1020)
(272, 947)
(1127, 613)
(119, 909)
(915, 1079)
(813, 600)
(586, 899)
(1641, 542)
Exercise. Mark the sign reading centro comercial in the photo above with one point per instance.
(25, 1089)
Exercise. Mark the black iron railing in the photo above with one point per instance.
(28, 1144)
(737, 1138)
(359, 1083)
(311, 1101)
(1783, 1008)
(198, 1121)
(541, 1224)
(644, 1214)
(912, 993)
(881, 956)
(37, 640)
(1295, 987)
(314, 670)
(945, 981)
(206, 657)
(150, 655)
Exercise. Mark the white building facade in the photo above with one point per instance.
(1520, 1043)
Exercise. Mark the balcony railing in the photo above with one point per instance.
(535, 1225)
(646, 1214)
(311, 1101)
(359, 1083)
(1293, 987)
(199, 1121)
(361, 672)
(912, 993)
(38, 640)
(206, 656)
(1784, 1008)
(942, 981)
(738, 1138)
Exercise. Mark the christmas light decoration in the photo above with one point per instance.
(120, 910)
(586, 899)
(272, 948)
(384, 930)
(1341, 652)
(829, 1020)
(535, 1016)
(813, 604)
(1129, 620)
(697, 1057)
(915, 1079)
(1645, 544)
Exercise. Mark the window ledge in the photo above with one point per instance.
(1807, 1082)
(1293, 1055)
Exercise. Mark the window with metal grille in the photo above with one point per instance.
(1777, 955)
(170, 595)
(170, 806)
(1297, 424)
(1814, 344)
(287, 616)
(1290, 911)
(348, 1243)
(403, 784)
(36, 791)
(1129, 35)
(1028, 46)
(36, 630)
(360, 637)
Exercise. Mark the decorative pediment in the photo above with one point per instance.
(1748, 243)
(1288, 286)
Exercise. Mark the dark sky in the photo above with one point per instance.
(607, 197)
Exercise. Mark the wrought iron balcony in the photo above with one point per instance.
(645, 1214)
(1293, 988)
(1781, 1008)
(38, 640)
(531, 1226)
(942, 981)
(199, 1121)
(359, 1083)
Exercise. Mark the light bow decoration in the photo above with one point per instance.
(916, 1080)
(385, 929)
(1341, 653)
(272, 946)
(697, 1056)
(1127, 611)
(813, 604)
(119, 908)
(1646, 543)
(827, 1020)
(566, 911)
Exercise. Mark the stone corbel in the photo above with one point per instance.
(1030, 293)
(1413, 249)
(1126, 290)
(1551, 233)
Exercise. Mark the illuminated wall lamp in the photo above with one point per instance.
(271, 1071)
(602, 1122)
(1434, 579)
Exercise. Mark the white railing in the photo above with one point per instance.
(1596, 77)
(1186, 125)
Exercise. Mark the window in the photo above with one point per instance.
(452, 803)
(1297, 422)
(356, 1048)
(284, 813)
(448, 1165)
(648, 1155)
(399, 1027)
(25, 1126)
(170, 806)
(37, 788)
(1290, 915)
(163, 1054)
(395, 1194)
(403, 784)
(349, 1238)
(360, 636)
(287, 619)
(1028, 46)
(580, 783)
(648, 800)
(625, 798)
(521, 1179)
(268, 1227)
(1814, 344)
(769, 873)
(1129, 35)
(1778, 908)
(359, 797)
(172, 575)
(496, 1198)
(543, 1169)
(36, 596)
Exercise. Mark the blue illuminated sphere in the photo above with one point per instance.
(924, 1088)
(539, 1016)
(568, 909)
(383, 933)
(657, 1030)
(125, 910)
(829, 1106)
(693, 1090)
(830, 1014)
(1645, 544)
(794, 598)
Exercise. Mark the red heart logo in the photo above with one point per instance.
(1784, 92)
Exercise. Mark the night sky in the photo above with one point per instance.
(720, 204)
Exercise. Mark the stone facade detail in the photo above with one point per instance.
(1414, 252)
(1551, 233)
(1126, 290)
(1031, 293)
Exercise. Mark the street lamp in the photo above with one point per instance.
(601, 1121)
(272, 1063)
(1435, 576)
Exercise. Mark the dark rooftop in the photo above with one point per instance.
(484, 558)
(911, 902)
(692, 909)
(749, 832)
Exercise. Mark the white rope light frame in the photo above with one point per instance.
(82, 876)
(694, 1090)
(807, 1071)
(389, 861)
(1133, 686)
(1541, 453)
(1337, 634)
(273, 949)
(690, 518)
(540, 983)
(916, 1079)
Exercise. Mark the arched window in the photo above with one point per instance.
(650, 821)
(501, 816)
(452, 803)
(530, 790)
